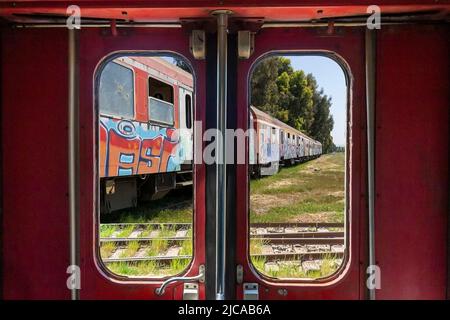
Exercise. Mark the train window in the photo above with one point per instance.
(297, 205)
(188, 103)
(145, 171)
(160, 102)
(116, 91)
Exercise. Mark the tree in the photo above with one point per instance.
(181, 63)
(264, 86)
(294, 98)
(301, 113)
(323, 122)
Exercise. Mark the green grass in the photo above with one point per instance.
(310, 205)
(166, 231)
(123, 268)
(327, 268)
(186, 248)
(106, 249)
(148, 268)
(106, 230)
(256, 246)
(309, 188)
(178, 265)
(125, 232)
(135, 269)
(259, 263)
(131, 249)
(146, 232)
(157, 247)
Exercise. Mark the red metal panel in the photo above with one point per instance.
(94, 46)
(412, 161)
(34, 138)
(349, 45)
(164, 10)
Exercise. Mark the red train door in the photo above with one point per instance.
(229, 273)
(346, 47)
(96, 45)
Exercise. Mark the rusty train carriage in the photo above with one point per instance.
(273, 143)
(397, 148)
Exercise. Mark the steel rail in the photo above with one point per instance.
(303, 241)
(297, 225)
(289, 256)
(327, 234)
(145, 239)
(252, 225)
(282, 256)
(280, 239)
(148, 224)
(149, 258)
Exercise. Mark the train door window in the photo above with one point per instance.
(145, 212)
(188, 105)
(116, 91)
(297, 208)
(160, 101)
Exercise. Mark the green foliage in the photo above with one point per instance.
(181, 63)
(294, 98)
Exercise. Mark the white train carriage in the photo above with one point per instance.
(272, 142)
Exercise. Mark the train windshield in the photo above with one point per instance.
(145, 166)
(297, 175)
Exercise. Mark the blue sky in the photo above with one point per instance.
(330, 77)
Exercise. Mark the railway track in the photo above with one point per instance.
(276, 242)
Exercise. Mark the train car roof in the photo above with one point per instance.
(164, 68)
(262, 115)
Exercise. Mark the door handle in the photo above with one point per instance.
(200, 278)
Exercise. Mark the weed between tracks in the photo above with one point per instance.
(294, 269)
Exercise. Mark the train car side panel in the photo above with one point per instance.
(412, 161)
(34, 139)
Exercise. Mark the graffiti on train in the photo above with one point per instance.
(131, 147)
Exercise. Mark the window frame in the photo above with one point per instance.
(188, 115)
(343, 269)
(107, 114)
(98, 260)
(172, 104)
